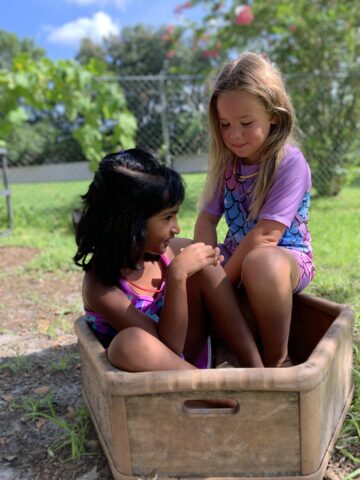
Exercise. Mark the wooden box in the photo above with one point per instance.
(284, 427)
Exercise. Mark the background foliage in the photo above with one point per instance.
(47, 94)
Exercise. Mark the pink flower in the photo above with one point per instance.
(166, 37)
(214, 52)
(182, 6)
(292, 27)
(244, 15)
(171, 54)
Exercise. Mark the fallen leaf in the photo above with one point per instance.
(70, 412)
(42, 390)
(43, 326)
(7, 398)
(40, 422)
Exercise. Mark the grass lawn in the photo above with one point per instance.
(42, 218)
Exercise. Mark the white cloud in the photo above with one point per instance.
(120, 4)
(97, 27)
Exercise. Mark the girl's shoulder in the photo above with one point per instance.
(293, 168)
(294, 160)
(95, 293)
(292, 153)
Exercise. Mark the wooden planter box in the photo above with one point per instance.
(285, 425)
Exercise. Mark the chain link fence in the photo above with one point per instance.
(171, 113)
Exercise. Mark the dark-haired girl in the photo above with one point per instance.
(147, 295)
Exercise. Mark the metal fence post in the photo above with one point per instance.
(6, 191)
(164, 124)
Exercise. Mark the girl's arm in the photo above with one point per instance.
(205, 229)
(173, 322)
(265, 233)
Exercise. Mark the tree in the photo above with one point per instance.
(143, 50)
(96, 110)
(11, 47)
(317, 46)
(41, 142)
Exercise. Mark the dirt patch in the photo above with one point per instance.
(40, 366)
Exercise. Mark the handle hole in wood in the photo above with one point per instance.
(211, 406)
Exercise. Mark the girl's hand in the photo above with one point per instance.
(194, 258)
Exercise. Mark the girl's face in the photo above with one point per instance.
(244, 123)
(161, 228)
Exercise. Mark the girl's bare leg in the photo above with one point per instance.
(136, 350)
(269, 275)
(199, 321)
(210, 290)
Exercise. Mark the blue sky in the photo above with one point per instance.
(58, 25)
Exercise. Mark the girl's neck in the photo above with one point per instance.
(140, 267)
(249, 161)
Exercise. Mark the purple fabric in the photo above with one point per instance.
(306, 267)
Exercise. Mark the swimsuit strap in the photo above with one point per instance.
(123, 281)
(152, 290)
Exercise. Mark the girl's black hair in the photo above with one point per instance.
(128, 188)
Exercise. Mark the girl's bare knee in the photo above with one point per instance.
(207, 279)
(125, 346)
(265, 264)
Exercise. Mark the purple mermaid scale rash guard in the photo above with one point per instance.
(287, 202)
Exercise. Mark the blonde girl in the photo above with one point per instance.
(259, 179)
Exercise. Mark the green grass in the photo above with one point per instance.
(42, 220)
(73, 433)
(335, 228)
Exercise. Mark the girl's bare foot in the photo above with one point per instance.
(287, 363)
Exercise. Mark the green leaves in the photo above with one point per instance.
(90, 105)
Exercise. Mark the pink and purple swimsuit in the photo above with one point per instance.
(150, 306)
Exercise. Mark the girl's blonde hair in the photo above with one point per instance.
(256, 75)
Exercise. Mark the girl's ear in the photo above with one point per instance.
(273, 120)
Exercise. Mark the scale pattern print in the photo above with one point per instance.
(237, 205)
